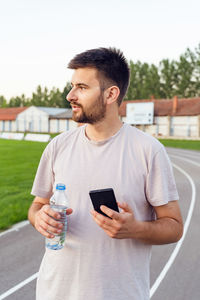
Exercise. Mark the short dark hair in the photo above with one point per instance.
(111, 65)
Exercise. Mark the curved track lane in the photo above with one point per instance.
(175, 268)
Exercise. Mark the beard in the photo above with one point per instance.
(92, 114)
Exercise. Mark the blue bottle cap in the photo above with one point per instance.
(60, 186)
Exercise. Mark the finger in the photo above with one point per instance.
(49, 228)
(52, 213)
(107, 228)
(119, 235)
(100, 219)
(51, 222)
(45, 233)
(101, 224)
(69, 211)
(125, 207)
(110, 212)
(112, 229)
(42, 230)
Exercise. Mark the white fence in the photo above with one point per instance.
(43, 126)
(27, 137)
(12, 136)
(185, 127)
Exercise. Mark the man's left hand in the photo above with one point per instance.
(121, 225)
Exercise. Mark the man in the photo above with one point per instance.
(103, 258)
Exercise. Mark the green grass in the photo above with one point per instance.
(18, 165)
(184, 144)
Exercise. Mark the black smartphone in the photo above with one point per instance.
(103, 197)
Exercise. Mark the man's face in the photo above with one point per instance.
(86, 97)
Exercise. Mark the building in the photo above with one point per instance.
(36, 119)
(8, 118)
(172, 117)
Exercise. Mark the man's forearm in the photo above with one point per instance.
(167, 228)
(161, 231)
(34, 208)
(36, 205)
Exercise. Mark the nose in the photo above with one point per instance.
(71, 96)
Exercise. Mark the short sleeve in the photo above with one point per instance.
(160, 184)
(44, 179)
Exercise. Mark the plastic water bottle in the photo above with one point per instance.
(59, 203)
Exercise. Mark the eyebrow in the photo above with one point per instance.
(80, 84)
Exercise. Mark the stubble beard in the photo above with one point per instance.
(93, 114)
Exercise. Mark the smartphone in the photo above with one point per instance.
(103, 197)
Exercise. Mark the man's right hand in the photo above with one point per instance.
(44, 222)
(41, 217)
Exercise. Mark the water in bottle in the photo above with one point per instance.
(59, 203)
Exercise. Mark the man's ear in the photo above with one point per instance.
(112, 94)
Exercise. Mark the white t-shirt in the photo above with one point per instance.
(93, 266)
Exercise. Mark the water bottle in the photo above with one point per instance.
(59, 203)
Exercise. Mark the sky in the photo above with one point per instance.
(39, 37)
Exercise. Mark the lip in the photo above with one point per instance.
(75, 107)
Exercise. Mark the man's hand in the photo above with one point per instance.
(167, 228)
(41, 217)
(121, 225)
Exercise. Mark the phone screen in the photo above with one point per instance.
(103, 197)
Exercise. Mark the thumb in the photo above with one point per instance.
(125, 207)
(69, 211)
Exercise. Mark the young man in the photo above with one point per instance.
(103, 258)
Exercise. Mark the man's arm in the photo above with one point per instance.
(41, 217)
(167, 228)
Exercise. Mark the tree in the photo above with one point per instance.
(52, 98)
(3, 102)
(15, 102)
(55, 98)
(185, 72)
(196, 73)
(168, 78)
(144, 81)
(40, 97)
(66, 90)
(131, 93)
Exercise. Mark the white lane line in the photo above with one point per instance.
(186, 159)
(16, 227)
(18, 286)
(179, 244)
(191, 155)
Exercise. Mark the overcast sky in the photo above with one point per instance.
(39, 37)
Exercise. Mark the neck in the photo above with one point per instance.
(103, 129)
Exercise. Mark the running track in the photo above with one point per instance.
(175, 269)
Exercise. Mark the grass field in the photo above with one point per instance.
(184, 144)
(18, 165)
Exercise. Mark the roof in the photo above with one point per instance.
(165, 107)
(10, 114)
(52, 110)
(67, 114)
